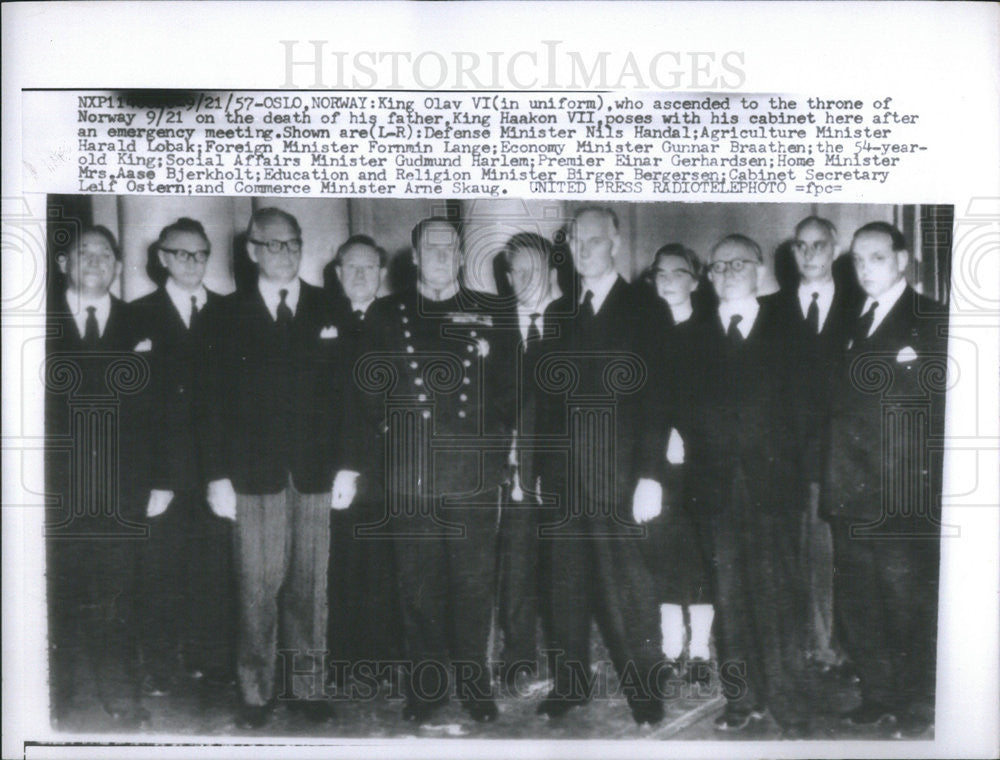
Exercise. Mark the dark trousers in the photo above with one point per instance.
(885, 593)
(446, 585)
(603, 577)
(91, 586)
(816, 553)
(188, 589)
(759, 606)
(519, 567)
(365, 625)
(282, 546)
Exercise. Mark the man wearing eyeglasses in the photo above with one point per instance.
(186, 563)
(819, 313)
(271, 415)
(742, 452)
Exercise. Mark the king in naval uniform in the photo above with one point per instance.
(435, 394)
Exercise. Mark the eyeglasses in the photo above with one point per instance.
(667, 275)
(816, 246)
(277, 246)
(180, 254)
(736, 265)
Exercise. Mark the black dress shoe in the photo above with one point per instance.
(699, 671)
(647, 711)
(156, 685)
(313, 710)
(736, 720)
(868, 714)
(419, 711)
(482, 710)
(910, 726)
(253, 716)
(799, 729)
(555, 706)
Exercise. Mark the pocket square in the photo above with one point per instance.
(143, 346)
(328, 332)
(906, 355)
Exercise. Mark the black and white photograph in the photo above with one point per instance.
(497, 378)
(668, 465)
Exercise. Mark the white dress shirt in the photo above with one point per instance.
(78, 304)
(825, 290)
(271, 293)
(681, 314)
(746, 308)
(885, 303)
(181, 299)
(600, 288)
(362, 307)
(442, 295)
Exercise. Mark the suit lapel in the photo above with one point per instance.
(896, 321)
(173, 316)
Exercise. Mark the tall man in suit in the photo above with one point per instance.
(598, 384)
(742, 441)
(91, 470)
(364, 620)
(186, 563)
(437, 391)
(271, 421)
(820, 312)
(882, 490)
(527, 265)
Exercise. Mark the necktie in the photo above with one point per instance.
(534, 334)
(588, 304)
(194, 310)
(733, 332)
(359, 315)
(865, 322)
(91, 333)
(812, 315)
(283, 312)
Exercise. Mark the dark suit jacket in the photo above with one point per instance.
(421, 356)
(742, 408)
(605, 363)
(271, 405)
(887, 401)
(93, 460)
(820, 356)
(538, 412)
(177, 356)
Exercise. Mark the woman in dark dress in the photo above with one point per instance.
(676, 549)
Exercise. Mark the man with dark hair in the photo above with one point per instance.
(742, 441)
(818, 314)
(364, 620)
(186, 563)
(882, 489)
(271, 419)
(439, 397)
(597, 569)
(527, 259)
(334, 272)
(92, 467)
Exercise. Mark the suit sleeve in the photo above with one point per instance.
(210, 392)
(359, 426)
(654, 412)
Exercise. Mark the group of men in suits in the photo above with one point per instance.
(491, 463)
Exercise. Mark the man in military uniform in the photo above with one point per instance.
(433, 385)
